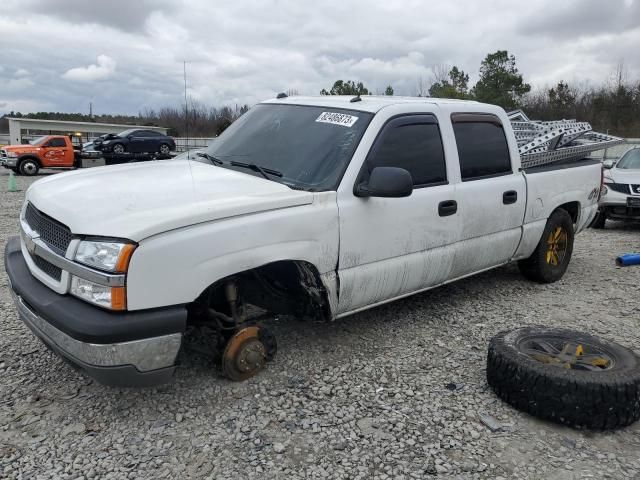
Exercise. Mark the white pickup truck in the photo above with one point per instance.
(315, 207)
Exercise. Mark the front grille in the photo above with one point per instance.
(56, 235)
(3, 154)
(619, 187)
(48, 268)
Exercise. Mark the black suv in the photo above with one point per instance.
(135, 141)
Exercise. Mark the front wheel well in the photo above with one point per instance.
(286, 287)
(29, 157)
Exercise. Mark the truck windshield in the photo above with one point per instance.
(310, 146)
(630, 160)
(39, 140)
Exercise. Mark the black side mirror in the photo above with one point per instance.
(390, 182)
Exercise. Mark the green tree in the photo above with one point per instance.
(388, 90)
(562, 100)
(456, 86)
(349, 87)
(500, 82)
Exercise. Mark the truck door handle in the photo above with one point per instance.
(509, 197)
(448, 207)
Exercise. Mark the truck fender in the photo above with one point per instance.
(29, 156)
(194, 276)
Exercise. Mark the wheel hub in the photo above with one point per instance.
(556, 246)
(245, 355)
(567, 354)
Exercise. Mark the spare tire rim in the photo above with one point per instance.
(556, 246)
(572, 355)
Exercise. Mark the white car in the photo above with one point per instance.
(621, 193)
(317, 207)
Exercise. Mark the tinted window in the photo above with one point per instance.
(57, 142)
(310, 146)
(149, 133)
(482, 146)
(414, 146)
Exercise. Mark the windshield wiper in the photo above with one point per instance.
(256, 168)
(211, 158)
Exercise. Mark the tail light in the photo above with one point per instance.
(601, 183)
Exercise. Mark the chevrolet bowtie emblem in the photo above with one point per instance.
(29, 241)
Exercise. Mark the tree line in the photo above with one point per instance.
(198, 120)
(612, 107)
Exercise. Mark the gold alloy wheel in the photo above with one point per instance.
(571, 355)
(556, 246)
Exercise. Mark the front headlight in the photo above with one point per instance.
(12, 154)
(113, 298)
(107, 256)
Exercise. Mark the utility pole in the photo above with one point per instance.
(91, 110)
(186, 110)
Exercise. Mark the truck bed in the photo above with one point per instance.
(571, 163)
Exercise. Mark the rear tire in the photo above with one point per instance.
(546, 265)
(599, 221)
(164, 149)
(29, 167)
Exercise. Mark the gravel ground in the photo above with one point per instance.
(395, 392)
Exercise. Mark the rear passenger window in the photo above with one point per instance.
(482, 146)
(412, 143)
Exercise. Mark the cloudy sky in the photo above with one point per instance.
(125, 56)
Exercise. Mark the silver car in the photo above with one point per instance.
(620, 198)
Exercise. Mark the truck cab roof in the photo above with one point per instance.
(374, 103)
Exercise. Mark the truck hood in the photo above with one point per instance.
(624, 176)
(136, 201)
(21, 148)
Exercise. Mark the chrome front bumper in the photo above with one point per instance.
(145, 355)
(142, 362)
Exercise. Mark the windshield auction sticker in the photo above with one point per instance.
(337, 119)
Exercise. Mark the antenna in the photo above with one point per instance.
(186, 110)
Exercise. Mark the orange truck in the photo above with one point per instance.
(49, 151)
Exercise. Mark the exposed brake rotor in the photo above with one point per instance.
(245, 354)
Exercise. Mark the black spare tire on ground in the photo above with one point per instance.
(566, 376)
